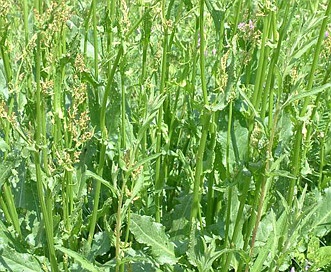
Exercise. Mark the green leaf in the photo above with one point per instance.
(12, 260)
(303, 50)
(180, 217)
(136, 189)
(270, 231)
(144, 161)
(217, 12)
(5, 170)
(101, 243)
(324, 256)
(322, 215)
(153, 234)
(3, 145)
(302, 95)
(80, 259)
(317, 222)
(249, 103)
(90, 174)
(203, 251)
(153, 107)
(137, 261)
(11, 256)
(239, 135)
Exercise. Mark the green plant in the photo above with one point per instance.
(165, 135)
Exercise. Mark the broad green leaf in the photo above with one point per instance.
(79, 258)
(319, 214)
(322, 215)
(180, 216)
(318, 256)
(3, 145)
(271, 230)
(137, 260)
(281, 173)
(12, 256)
(238, 147)
(203, 251)
(195, 246)
(313, 246)
(146, 231)
(324, 256)
(249, 103)
(16, 261)
(101, 243)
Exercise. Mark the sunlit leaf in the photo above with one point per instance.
(153, 234)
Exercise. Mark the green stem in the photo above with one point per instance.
(118, 228)
(198, 177)
(143, 88)
(202, 52)
(95, 39)
(230, 189)
(262, 64)
(26, 21)
(210, 199)
(5, 210)
(296, 159)
(240, 215)
(104, 135)
(262, 185)
(9, 204)
(237, 12)
(40, 140)
(158, 175)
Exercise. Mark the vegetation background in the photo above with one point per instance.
(157, 135)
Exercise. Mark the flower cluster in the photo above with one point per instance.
(248, 31)
(78, 119)
(246, 26)
(5, 115)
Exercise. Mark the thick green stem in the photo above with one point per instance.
(245, 179)
(40, 140)
(262, 183)
(211, 199)
(202, 52)
(104, 135)
(95, 39)
(198, 178)
(199, 167)
(262, 63)
(230, 189)
(9, 203)
(296, 159)
(158, 175)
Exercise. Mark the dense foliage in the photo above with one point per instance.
(157, 135)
